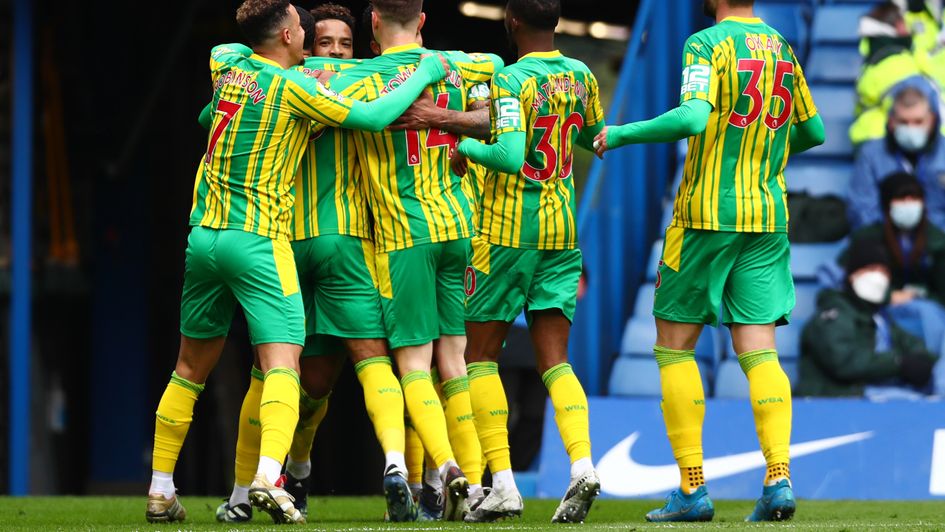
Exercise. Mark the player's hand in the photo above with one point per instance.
(458, 163)
(321, 75)
(419, 115)
(444, 65)
(600, 143)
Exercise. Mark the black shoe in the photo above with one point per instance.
(456, 489)
(298, 489)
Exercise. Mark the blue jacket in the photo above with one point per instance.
(876, 159)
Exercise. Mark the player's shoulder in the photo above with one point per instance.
(329, 63)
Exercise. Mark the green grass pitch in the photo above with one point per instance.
(351, 513)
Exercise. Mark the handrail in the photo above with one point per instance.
(595, 175)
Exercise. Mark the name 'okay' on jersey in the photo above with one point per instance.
(734, 174)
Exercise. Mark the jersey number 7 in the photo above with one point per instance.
(782, 70)
(229, 110)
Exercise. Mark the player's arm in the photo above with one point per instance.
(206, 116)
(424, 114)
(507, 154)
(807, 134)
(310, 99)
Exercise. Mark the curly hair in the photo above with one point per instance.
(259, 19)
(398, 11)
(308, 26)
(331, 11)
(539, 14)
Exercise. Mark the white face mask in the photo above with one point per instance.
(906, 215)
(871, 286)
(911, 138)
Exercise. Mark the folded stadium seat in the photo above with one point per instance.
(805, 304)
(638, 337)
(818, 177)
(806, 259)
(788, 340)
(837, 24)
(829, 63)
(635, 377)
(790, 368)
(656, 253)
(644, 302)
(835, 106)
(790, 19)
(833, 101)
(730, 382)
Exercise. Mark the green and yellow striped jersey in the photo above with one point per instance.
(475, 173)
(330, 199)
(413, 196)
(551, 98)
(734, 173)
(260, 129)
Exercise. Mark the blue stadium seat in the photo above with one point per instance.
(806, 259)
(638, 337)
(789, 20)
(837, 23)
(833, 102)
(791, 370)
(805, 302)
(656, 252)
(730, 381)
(644, 303)
(833, 64)
(787, 339)
(635, 377)
(818, 177)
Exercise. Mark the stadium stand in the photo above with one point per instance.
(826, 35)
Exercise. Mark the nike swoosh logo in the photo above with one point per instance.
(622, 476)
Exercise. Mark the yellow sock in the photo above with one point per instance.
(278, 412)
(250, 430)
(491, 410)
(172, 419)
(413, 455)
(426, 413)
(384, 401)
(683, 412)
(311, 414)
(770, 393)
(462, 429)
(570, 404)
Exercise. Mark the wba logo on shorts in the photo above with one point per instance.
(469, 282)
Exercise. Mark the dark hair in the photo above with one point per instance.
(308, 26)
(331, 11)
(259, 19)
(365, 34)
(398, 11)
(888, 13)
(910, 96)
(863, 252)
(538, 14)
(741, 3)
(899, 185)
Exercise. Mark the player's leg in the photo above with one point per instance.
(349, 308)
(689, 287)
(407, 286)
(237, 508)
(263, 277)
(413, 455)
(206, 311)
(759, 294)
(449, 353)
(496, 283)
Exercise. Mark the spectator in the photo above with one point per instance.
(850, 346)
(914, 144)
(889, 59)
(916, 248)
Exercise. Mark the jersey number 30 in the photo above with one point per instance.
(546, 124)
(782, 70)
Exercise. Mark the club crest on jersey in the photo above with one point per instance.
(469, 281)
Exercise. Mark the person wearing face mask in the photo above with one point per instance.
(850, 345)
(916, 247)
(913, 144)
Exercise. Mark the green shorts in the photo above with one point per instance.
(422, 292)
(339, 291)
(749, 272)
(501, 281)
(226, 267)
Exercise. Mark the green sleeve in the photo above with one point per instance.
(378, 114)
(586, 138)
(844, 355)
(206, 117)
(236, 48)
(507, 155)
(689, 119)
(807, 134)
